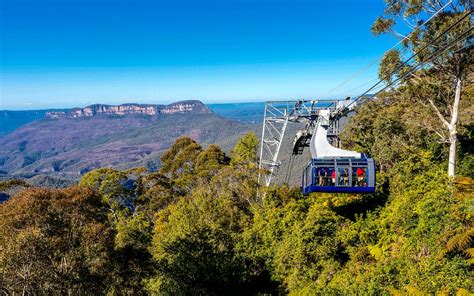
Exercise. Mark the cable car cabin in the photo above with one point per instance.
(345, 175)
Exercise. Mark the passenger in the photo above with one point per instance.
(360, 176)
(346, 177)
(333, 177)
(322, 175)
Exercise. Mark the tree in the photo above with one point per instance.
(179, 159)
(194, 247)
(178, 162)
(132, 204)
(210, 161)
(240, 178)
(154, 192)
(132, 260)
(245, 151)
(115, 187)
(8, 184)
(448, 65)
(391, 129)
(55, 242)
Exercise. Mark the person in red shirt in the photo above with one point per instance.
(360, 176)
(333, 177)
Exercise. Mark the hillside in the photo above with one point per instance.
(11, 120)
(245, 112)
(67, 144)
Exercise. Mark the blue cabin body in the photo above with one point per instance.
(344, 175)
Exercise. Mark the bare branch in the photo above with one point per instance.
(399, 35)
(443, 138)
(455, 7)
(440, 116)
(408, 23)
(430, 8)
(418, 78)
(439, 3)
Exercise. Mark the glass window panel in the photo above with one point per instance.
(309, 178)
(359, 176)
(342, 176)
(322, 176)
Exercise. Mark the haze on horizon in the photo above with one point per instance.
(73, 53)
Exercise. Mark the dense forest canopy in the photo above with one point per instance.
(198, 226)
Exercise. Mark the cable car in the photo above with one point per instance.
(345, 175)
(332, 169)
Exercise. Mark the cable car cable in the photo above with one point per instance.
(413, 56)
(435, 55)
(362, 70)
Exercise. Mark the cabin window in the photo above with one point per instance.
(308, 178)
(339, 173)
(359, 176)
(322, 176)
(342, 176)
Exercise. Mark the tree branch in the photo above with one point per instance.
(430, 10)
(442, 137)
(440, 116)
(409, 24)
(432, 4)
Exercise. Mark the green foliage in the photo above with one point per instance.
(133, 262)
(392, 129)
(114, 188)
(245, 151)
(209, 161)
(154, 192)
(9, 184)
(198, 227)
(178, 162)
(193, 245)
(134, 231)
(382, 26)
(55, 242)
(389, 64)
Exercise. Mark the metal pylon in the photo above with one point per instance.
(274, 127)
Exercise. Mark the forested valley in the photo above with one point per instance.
(202, 225)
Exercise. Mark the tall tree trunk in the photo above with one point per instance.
(453, 137)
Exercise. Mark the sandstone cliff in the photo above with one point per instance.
(126, 109)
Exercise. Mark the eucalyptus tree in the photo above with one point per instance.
(443, 58)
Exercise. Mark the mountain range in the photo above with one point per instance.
(65, 144)
(244, 112)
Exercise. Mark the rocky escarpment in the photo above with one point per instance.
(126, 109)
(53, 150)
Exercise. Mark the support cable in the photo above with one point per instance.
(362, 70)
(416, 67)
(411, 58)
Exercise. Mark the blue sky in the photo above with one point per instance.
(65, 53)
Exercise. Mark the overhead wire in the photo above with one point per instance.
(416, 67)
(405, 63)
(363, 69)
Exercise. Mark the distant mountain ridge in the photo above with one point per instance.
(243, 112)
(66, 144)
(131, 108)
